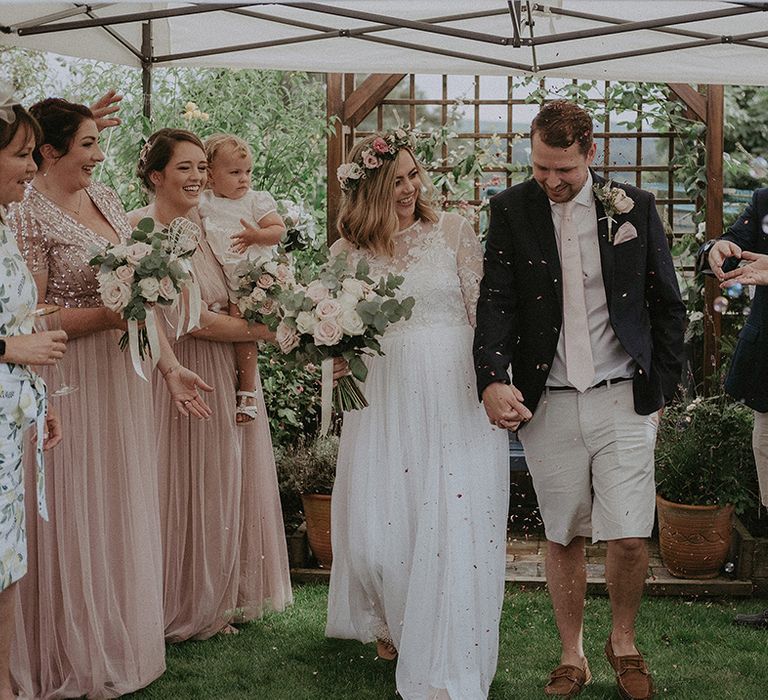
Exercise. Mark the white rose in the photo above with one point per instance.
(348, 301)
(119, 251)
(149, 288)
(317, 291)
(306, 322)
(114, 293)
(167, 289)
(622, 203)
(244, 304)
(258, 295)
(135, 252)
(271, 268)
(354, 287)
(351, 323)
(287, 338)
(328, 308)
(327, 332)
(124, 273)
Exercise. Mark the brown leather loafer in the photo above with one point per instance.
(567, 681)
(632, 676)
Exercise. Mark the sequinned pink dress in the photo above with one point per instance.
(90, 620)
(224, 549)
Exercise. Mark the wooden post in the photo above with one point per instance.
(714, 224)
(146, 68)
(336, 151)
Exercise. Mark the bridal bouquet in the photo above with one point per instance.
(260, 283)
(151, 267)
(338, 311)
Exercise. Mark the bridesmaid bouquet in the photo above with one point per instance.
(261, 282)
(337, 311)
(151, 267)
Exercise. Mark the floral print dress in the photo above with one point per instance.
(22, 404)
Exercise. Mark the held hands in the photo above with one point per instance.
(44, 348)
(107, 104)
(755, 272)
(720, 252)
(340, 369)
(183, 385)
(504, 405)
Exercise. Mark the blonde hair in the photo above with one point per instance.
(367, 216)
(215, 144)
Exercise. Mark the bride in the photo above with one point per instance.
(420, 501)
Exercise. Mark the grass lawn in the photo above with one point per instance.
(694, 650)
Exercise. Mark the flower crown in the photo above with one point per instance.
(385, 147)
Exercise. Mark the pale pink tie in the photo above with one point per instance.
(579, 366)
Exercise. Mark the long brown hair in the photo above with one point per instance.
(367, 216)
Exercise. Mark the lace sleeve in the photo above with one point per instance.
(33, 243)
(469, 265)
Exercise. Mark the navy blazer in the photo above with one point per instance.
(747, 378)
(519, 313)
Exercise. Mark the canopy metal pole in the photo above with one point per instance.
(146, 68)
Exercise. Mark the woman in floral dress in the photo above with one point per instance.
(22, 392)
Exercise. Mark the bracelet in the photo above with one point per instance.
(171, 370)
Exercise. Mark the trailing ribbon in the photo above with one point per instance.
(326, 395)
(133, 345)
(153, 338)
(41, 404)
(195, 302)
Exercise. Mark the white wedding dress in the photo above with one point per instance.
(420, 501)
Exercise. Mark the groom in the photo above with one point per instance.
(579, 298)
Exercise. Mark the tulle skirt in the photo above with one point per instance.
(90, 619)
(419, 518)
(224, 548)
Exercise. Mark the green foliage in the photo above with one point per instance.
(308, 465)
(704, 454)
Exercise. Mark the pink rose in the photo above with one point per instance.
(380, 145)
(317, 291)
(328, 308)
(167, 289)
(371, 160)
(124, 273)
(114, 293)
(268, 306)
(283, 273)
(287, 338)
(135, 252)
(327, 332)
(265, 281)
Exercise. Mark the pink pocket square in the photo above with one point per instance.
(626, 232)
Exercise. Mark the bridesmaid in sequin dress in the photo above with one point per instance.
(90, 620)
(224, 548)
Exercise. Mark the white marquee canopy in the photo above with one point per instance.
(682, 41)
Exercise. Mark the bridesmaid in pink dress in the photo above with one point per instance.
(224, 548)
(90, 620)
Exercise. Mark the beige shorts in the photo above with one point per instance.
(591, 460)
(760, 447)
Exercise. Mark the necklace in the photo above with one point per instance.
(76, 211)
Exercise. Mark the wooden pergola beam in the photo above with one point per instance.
(692, 99)
(368, 96)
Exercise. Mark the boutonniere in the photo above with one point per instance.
(615, 201)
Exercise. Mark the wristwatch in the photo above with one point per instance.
(2, 347)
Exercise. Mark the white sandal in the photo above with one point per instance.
(249, 411)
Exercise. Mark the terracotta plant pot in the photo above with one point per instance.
(317, 511)
(694, 540)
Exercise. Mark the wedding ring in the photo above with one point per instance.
(185, 402)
